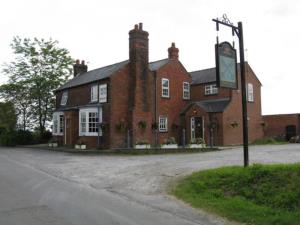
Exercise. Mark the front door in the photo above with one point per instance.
(290, 131)
(67, 131)
(197, 127)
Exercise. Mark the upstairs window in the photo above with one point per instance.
(250, 93)
(94, 93)
(165, 92)
(163, 124)
(64, 98)
(103, 93)
(186, 90)
(211, 89)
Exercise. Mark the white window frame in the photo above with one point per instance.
(84, 121)
(186, 90)
(163, 124)
(103, 93)
(64, 98)
(165, 88)
(250, 92)
(58, 125)
(94, 93)
(211, 89)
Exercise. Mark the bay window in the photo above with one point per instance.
(89, 119)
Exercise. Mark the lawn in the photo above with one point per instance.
(259, 194)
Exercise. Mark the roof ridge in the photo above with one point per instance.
(105, 66)
(158, 60)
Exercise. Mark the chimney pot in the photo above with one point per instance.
(77, 61)
(82, 62)
(173, 51)
(141, 26)
(136, 27)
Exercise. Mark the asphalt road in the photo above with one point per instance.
(39, 187)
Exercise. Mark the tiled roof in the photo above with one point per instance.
(93, 75)
(157, 64)
(105, 72)
(215, 105)
(203, 76)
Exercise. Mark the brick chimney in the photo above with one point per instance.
(79, 68)
(173, 52)
(139, 62)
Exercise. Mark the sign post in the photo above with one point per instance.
(225, 71)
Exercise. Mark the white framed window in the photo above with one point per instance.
(94, 93)
(58, 123)
(89, 119)
(64, 98)
(211, 89)
(163, 124)
(165, 90)
(250, 93)
(103, 93)
(186, 90)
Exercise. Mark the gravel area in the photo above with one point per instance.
(144, 179)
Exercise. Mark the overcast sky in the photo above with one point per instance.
(97, 31)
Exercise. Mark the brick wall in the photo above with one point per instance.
(276, 124)
(172, 106)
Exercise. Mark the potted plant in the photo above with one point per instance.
(80, 145)
(121, 126)
(53, 143)
(142, 124)
(169, 143)
(197, 143)
(234, 124)
(142, 144)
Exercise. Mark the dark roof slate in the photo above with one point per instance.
(158, 64)
(105, 72)
(215, 105)
(93, 75)
(203, 76)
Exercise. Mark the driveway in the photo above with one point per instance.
(107, 190)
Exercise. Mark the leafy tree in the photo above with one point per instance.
(22, 102)
(8, 117)
(38, 69)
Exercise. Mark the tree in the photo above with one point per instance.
(8, 117)
(38, 69)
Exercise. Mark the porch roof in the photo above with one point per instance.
(215, 105)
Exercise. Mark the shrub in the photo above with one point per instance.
(197, 141)
(169, 141)
(8, 138)
(24, 137)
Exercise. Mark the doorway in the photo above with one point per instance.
(290, 131)
(197, 127)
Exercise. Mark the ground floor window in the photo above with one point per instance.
(163, 124)
(89, 119)
(58, 123)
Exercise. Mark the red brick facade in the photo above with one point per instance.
(135, 103)
(282, 126)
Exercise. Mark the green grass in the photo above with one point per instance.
(268, 141)
(258, 194)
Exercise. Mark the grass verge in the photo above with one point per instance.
(259, 194)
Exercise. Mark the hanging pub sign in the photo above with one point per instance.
(226, 65)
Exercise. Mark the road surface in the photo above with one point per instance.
(40, 187)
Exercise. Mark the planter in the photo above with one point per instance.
(170, 146)
(83, 147)
(146, 146)
(53, 145)
(197, 146)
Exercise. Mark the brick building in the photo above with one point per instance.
(136, 100)
(282, 126)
